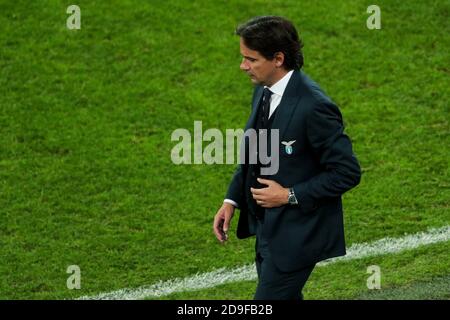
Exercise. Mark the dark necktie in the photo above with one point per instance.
(266, 106)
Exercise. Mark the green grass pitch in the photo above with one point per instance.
(86, 118)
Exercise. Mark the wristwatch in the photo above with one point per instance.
(291, 198)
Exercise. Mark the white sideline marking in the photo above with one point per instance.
(248, 272)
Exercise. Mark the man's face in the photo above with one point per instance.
(260, 70)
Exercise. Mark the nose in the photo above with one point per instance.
(244, 66)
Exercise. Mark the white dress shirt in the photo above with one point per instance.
(278, 91)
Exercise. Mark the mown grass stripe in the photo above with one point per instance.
(248, 273)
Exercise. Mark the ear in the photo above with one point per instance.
(279, 59)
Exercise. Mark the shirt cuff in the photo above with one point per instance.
(231, 202)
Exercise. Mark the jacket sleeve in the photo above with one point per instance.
(236, 189)
(333, 148)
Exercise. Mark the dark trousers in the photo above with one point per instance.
(274, 284)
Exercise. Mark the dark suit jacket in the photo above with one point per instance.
(320, 168)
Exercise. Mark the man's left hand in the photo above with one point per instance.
(274, 195)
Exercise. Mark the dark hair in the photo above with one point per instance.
(271, 34)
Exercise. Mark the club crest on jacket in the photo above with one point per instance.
(288, 146)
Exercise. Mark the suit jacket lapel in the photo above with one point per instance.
(287, 104)
(255, 106)
(283, 115)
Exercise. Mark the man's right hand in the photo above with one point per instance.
(222, 221)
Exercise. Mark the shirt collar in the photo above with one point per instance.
(279, 87)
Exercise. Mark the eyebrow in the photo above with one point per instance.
(248, 57)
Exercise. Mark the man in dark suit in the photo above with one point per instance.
(296, 213)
